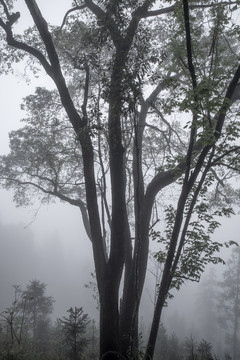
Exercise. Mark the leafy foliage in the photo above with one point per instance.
(42, 159)
(145, 107)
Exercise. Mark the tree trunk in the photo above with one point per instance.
(133, 288)
(109, 320)
(156, 321)
(129, 322)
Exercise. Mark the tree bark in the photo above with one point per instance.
(109, 316)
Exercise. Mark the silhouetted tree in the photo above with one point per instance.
(190, 346)
(205, 350)
(74, 328)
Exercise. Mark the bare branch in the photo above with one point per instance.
(142, 10)
(162, 11)
(75, 202)
(151, 98)
(158, 112)
(220, 181)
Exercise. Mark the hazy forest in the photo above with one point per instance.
(139, 132)
(29, 332)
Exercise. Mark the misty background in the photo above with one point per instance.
(42, 242)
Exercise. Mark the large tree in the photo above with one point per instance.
(144, 107)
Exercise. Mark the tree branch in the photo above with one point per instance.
(219, 158)
(75, 202)
(26, 48)
(170, 9)
(75, 8)
(141, 11)
(227, 102)
(189, 44)
(189, 214)
(42, 27)
(191, 68)
(159, 113)
(106, 20)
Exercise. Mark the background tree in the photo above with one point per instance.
(74, 328)
(147, 105)
(38, 310)
(27, 324)
(13, 321)
(229, 302)
(93, 336)
(206, 310)
(205, 350)
(161, 343)
(168, 347)
(191, 346)
(175, 349)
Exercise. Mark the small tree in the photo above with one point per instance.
(190, 346)
(205, 350)
(74, 327)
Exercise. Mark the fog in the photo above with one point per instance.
(48, 242)
(49, 246)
